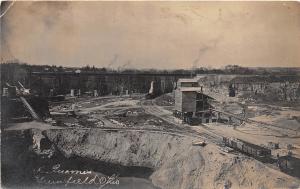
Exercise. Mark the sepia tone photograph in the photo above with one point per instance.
(150, 94)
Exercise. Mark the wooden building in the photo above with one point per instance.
(191, 104)
(185, 99)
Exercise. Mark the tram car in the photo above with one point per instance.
(258, 152)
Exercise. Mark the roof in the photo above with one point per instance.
(190, 89)
(188, 80)
(205, 95)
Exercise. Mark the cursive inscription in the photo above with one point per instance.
(56, 169)
(58, 176)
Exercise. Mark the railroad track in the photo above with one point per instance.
(153, 109)
(254, 121)
(170, 132)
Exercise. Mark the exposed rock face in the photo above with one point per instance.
(126, 148)
(176, 163)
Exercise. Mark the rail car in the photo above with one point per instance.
(258, 152)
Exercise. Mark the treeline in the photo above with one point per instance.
(14, 71)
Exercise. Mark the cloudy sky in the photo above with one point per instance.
(164, 35)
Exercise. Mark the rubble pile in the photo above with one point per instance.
(165, 100)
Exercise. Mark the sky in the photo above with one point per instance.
(159, 35)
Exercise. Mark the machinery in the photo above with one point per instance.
(19, 105)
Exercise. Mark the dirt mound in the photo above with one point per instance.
(165, 100)
(138, 118)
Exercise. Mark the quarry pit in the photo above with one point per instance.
(168, 161)
(132, 142)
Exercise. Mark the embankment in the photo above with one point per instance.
(168, 161)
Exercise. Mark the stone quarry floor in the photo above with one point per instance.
(149, 136)
(282, 123)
